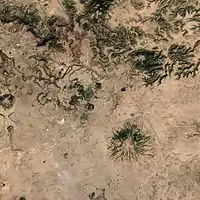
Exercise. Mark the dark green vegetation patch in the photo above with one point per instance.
(156, 64)
(150, 62)
(128, 143)
(7, 101)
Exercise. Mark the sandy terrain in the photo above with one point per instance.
(67, 102)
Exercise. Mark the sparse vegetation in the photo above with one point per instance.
(40, 27)
(111, 46)
(71, 10)
(7, 65)
(69, 5)
(172, 16)
(183, 57)
(89, 106)
(22, 198)
(138, 4)
(96, 11)
(7, 101)
(81, 94)
(129, 142)
(100, 196)
(70, 109)
(150, 62)
(156, 65)
(98, 86)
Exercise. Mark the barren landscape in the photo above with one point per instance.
(99, 100)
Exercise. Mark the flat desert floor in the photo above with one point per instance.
(99, 100)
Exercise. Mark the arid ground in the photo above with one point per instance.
(99, 100)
